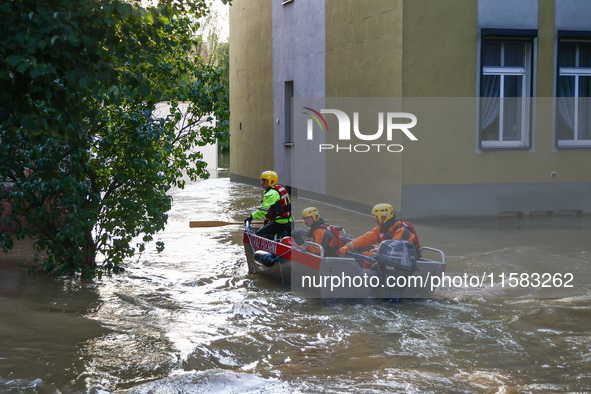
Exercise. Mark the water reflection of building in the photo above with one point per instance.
(499, 89)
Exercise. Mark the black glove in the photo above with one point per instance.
(248, 220)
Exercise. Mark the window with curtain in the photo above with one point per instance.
(505, 91)
(573, 123)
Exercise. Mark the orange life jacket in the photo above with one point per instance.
(401, 230)
(327, 236)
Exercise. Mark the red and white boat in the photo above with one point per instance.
(393, 273)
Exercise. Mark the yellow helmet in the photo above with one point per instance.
(311, 212)
(383, 212)
(271, 176)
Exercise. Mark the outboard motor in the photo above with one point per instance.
(263, 258)
(395, 258)
(397, 255)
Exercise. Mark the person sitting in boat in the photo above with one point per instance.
(387, 228)
(320, 233)
(275, 208)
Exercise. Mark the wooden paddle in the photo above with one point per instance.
(218, 223)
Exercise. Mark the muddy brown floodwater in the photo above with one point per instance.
(192, 319)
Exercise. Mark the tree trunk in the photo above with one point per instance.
(89, 259)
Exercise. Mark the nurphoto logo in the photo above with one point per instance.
(395, 122)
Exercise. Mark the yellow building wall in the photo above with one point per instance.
(571, 166)
(251, 87)
(425, 51)
(439, 66)
(363, 48)
(439, 48)
(363, 59)
(439, 83)
(546, 53)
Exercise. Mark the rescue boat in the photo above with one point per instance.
(395, 272)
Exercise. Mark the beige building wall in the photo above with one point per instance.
(251, 88)
(364, 48)
(439, 66)
(571, 166)
(439, 48)
(440, 59)
(446, 67)
(364, 59)
(426, 51)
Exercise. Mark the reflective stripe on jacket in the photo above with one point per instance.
(275, 206)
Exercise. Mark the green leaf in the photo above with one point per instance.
(42, 44)
(85, 82)
(23, 67)
(102, 165)
(149, 18)
(14, 60)
(124, 10)
(113, 90)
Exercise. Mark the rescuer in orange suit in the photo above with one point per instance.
(387, 228)
(326, 236)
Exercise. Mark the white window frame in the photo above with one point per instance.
(576, 72)
(526, 89)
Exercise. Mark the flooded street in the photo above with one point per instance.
(192, 319)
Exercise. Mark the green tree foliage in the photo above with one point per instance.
(222, 61)
(84, 163)
(217, 53)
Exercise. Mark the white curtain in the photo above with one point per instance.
(489, 101)
(566, 101)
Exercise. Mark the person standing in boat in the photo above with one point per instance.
(321, 234)
(275, 208)
(387, 228)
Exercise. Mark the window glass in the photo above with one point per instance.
(490, 131)
(566, 86)
(513, 86)
(585, 55)
(512, 120)
(514, 54)
(287, 108)
(491, 54)
(573, 106)
(566, 108)
(584, 124)
(568, 54)
(490, 107)
(491, 86)
(504, 94)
